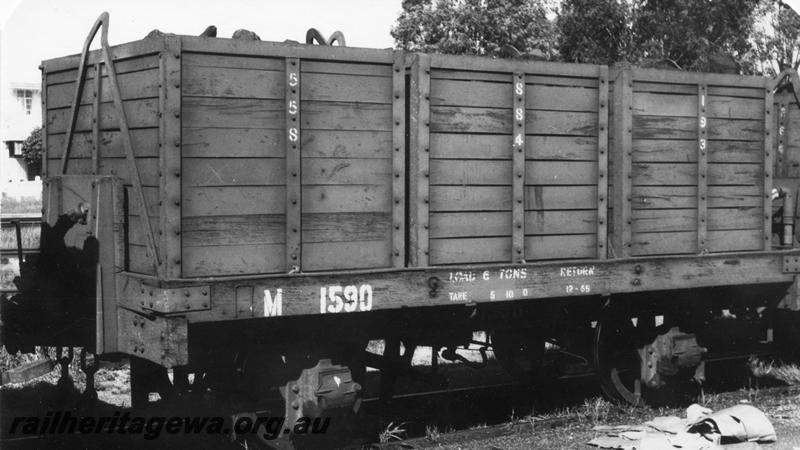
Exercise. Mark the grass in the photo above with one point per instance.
(783, 372)
(29, 233)
(392, 432)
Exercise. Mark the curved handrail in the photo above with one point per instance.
(102, 21)
(794, 79)
(314, 35)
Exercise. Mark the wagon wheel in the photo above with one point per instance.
(615, 350)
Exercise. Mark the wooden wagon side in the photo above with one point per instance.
(293, 158)
(508, 161)
(690, 152)
(97, 146)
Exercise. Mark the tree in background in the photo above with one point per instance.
(776, 39)
(475, 27)
(594, 31)
(32, 151)
(695, 35)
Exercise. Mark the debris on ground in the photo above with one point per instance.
(701, 429)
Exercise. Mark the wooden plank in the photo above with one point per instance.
(423, 197)
(136, 233)
(293, 164)
(139, 113)
(703, 173)
(664, 220)
(472, 198)
(347, 68)
(500, 173)
(233, 200)
(494, 120)
(686, 242)
(681, 77)
(121, 66)
(735, 108)
(233, 142)
(346, 198)
(622, 154)
(561, 172)
(470, 250)
(486, 224)
(135, 51)
(469, 224)
(519, 171)
(200, 81)
(658, 127)
(663, 88)
(230, 61)
(171, 155)
(767, 166)
(148, 168)
(736, 91)
(686, 174)
(474, 63)
(572, 246)
(346, 88)
(558, 98)
(602, 165)
(561, 123)
(490, 146)
(139, 260)
(470, 146)
(144, 141)
(332, 171)
(233, 260)
(233, 113)
(346, 144)
(472, 93)
(648, 197)
(398, 226)
(349, 255)
(271, 228)
(650, 104)
(662, 150)
(500, 77)
(739, 130)
(234, 172)
(277, 49)
(346, 116)
(346, 227)
(132, 86)
(560, 197)
(234, 230)
(470, 172)
(152, 194)
(495, 95)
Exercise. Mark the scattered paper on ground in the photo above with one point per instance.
(701, 429)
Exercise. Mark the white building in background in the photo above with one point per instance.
(20, 113)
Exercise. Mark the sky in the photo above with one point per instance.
(35, 30)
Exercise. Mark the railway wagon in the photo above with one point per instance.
(254, 213)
